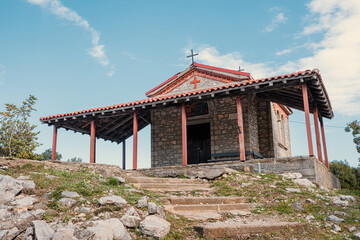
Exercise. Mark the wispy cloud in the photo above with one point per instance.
(2, 74)
(337, 54)
(278, 18)
(97, 51)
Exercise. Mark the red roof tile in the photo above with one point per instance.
(156, 99)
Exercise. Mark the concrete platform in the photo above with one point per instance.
(201, 200)
(234, 229)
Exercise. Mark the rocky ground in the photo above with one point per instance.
(45, 200)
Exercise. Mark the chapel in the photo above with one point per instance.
(207, 114)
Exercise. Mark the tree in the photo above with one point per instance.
(18, 137)
(75, 159)
(349, 177)
(354, 127)
(48, 154)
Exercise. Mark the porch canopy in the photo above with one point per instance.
(115, 122)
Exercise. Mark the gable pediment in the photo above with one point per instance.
(193, 79)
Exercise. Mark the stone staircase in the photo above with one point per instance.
(168, 184)
(204, 208)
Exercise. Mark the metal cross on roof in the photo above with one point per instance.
(192, 55)
(241, 69)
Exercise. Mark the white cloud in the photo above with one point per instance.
(276, 20)
(337, 55)
(97, 51)
(285, 51)
(2, 73)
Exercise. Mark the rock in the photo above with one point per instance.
(335, 218)
(24, 202)
(9, 188)
(143, 202)
(213, 173)
(67, 202)
(3, 233)
(12, 233)
(304, 182)
(120, 179)
(154, 226)
(245, 184)
(291, 175)
(352, 229)
(69, 194)
(339, 213)
(299, 206)
(38, 213)
(85, 210)
(320, 196)
(337, 201)
(27, 184)
(81, 233)
(151, 208)
(325, 189)
(347, 198)
(29, 233)
(293, 190)
(116, 200)
(109, 229)
(310, 217)
(132, 190)
(309, 200)
(336, 228)
(42, 230)
(23, 178)
(25, 215)
(230, 171)
(4, 213)
(132, 212)
(130, 221)
(357, 235)
(64, 233)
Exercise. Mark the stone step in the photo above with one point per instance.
(162, 180)
(234, 229)
(201, 200)
(171, 187)
(210, 207)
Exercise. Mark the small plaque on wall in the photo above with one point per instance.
(232, 116)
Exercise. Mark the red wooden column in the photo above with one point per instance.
(324, 142)
(135, 133)
(53, 154)
(307, 117)
(124, 155)
(317, 134)
(240, 128)
(184, 134)
(92, 142)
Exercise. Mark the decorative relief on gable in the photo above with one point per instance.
(196, 83)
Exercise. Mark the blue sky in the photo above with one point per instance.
(74, 55)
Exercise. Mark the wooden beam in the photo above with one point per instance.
(53, 154)
(184, 134)
(324, 142)
(240, 128)
(135, 134)
(307, 118)
(317, 134)
(118, 125)
(85, 125)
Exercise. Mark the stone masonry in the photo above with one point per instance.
(260, 130)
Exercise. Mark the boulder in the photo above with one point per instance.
(120, 179)
(294, 175)
(113, 200)
(143, 202)
(337, 201)
(29, 233)
(69, 194)
(304, 182)
(348, 198)
(3, 233)
(24, 202)
(23, 178)
(4, 213)
(151, 208)
(67, 202)
(295, 190)
(108, 230)
(155, 227)
(213, 173)
(9, 188)
(42, 230)
(38, 213)
(130, 221)
(132, 212)
(309, 200)
(310, 217)
(357, 235)
(336, 228)
(352, 229)
(27, 184)
(64, 233)
(335, 218)
(85, 210)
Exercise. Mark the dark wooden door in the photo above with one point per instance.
(198, 143)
